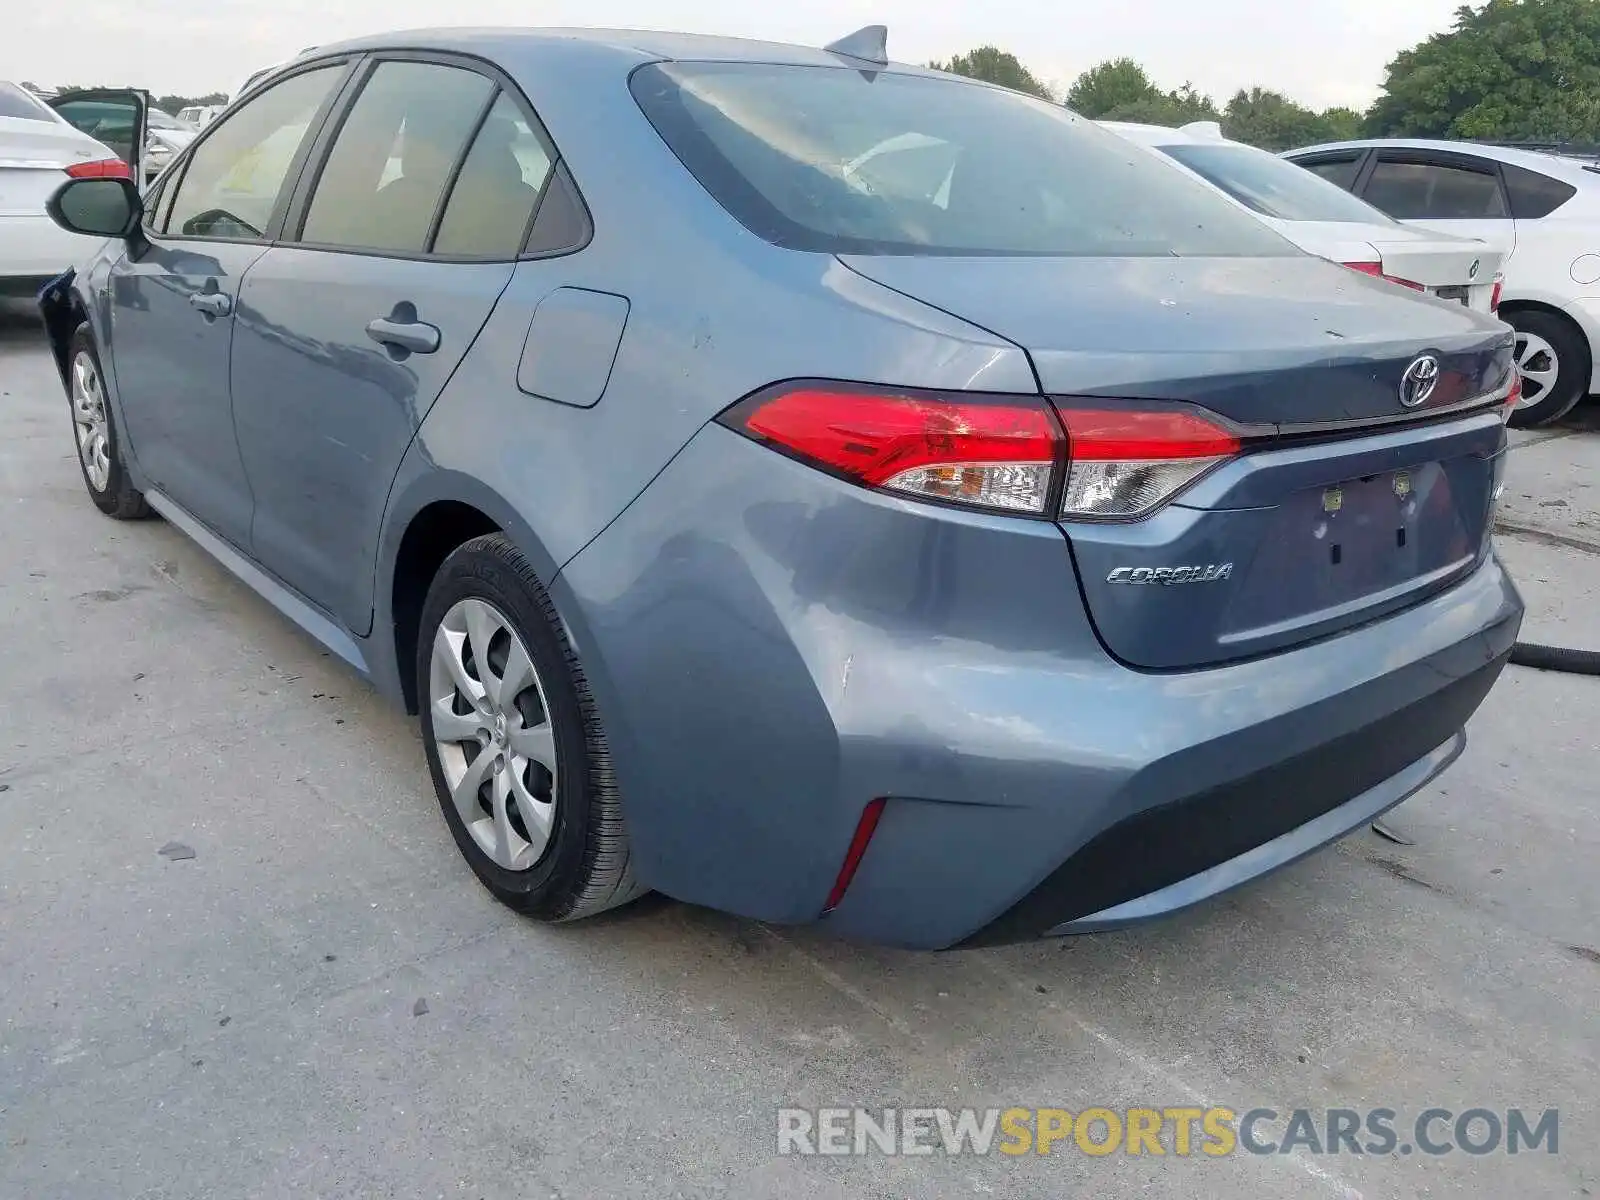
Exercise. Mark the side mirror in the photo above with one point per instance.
(98, 207)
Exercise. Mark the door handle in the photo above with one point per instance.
(416, 336)
(212, 304)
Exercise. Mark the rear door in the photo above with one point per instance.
(404, 234)
(1460, 194)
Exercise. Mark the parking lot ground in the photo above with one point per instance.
(321, 1002)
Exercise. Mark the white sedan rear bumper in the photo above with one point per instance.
(34, 249)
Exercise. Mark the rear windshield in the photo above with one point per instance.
(1273, 187)
(843, 161)
(15, 102)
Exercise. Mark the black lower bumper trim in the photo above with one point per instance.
(1171, 842)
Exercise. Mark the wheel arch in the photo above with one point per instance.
(430, 515)
(63, 311)
(1521, 304)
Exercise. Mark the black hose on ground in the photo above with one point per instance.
(1556, 658)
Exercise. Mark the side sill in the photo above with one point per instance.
(290, 603)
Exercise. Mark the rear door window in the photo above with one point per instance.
(1425, 191)
(1341, 171)
(497, 190)
(837, 160)
(389, 168)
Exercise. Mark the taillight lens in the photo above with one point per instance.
(1009, 453)
(1124, 463)
(1375, 269)
(100, 168)
(987, 451)
(1514, 396)
(1494, 296)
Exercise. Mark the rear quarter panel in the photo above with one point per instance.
(714, 313)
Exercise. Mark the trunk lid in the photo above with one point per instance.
(32, 156)
(1344, 505)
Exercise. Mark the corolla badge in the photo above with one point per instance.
(1417, 384)
(1203, 573)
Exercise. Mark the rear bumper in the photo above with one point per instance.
(34, 249)
(1174, 855)
(765, 669)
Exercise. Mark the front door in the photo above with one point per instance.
(174, 305)
(349, 329)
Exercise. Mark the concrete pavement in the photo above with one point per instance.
(246, 1022)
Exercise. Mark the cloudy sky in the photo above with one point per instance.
(1321, 52)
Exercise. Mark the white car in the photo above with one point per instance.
(39, 151)
(1542, 210)
(165, 136)
(198, 115)
(1324, 220)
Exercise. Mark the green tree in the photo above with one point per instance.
(1509, 69)
(172, 104)
(1167, 108)
(1274, 122)
(1118, 84)
(994, 65)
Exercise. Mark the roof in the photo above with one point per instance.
(642, 45)
(1571, 169)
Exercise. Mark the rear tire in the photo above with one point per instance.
(514, 744)
(1554, 358)
(94, 428)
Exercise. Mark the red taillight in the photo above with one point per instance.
(997, 452)
(994, 452)
(865, 828)
(1514, 396)
(100, 168)
(1494, 296)
(1375, 269)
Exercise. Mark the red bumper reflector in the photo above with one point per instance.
(865, 828)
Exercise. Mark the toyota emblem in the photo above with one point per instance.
(1417, 384)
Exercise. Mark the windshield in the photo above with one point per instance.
(16, 102)
(1271, 186)
(157, 119)
(842, 161)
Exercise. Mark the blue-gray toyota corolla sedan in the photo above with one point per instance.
(820, 489)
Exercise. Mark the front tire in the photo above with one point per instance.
(95, 434)
(514, 744)
(1553, 357)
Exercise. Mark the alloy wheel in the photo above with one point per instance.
(89, 421)
(492, 730)
(1539, 365)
